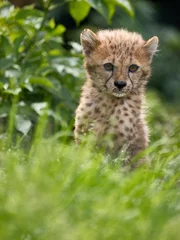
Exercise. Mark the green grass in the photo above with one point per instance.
(59, 191)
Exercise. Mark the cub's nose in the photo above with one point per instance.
(119, 84)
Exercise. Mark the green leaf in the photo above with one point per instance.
(13, 72)
(6, 46)
(111, 8)
(77, 48)
(41, 81)
(79, 10)
(13, 91)
(27, 12)
(6, 10)
(39, 107)
(59, 30)
(52, 23)
(23, 125)
(126, 5)
(18, 42)
(100, 6)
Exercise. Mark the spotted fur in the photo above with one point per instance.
(105, 109)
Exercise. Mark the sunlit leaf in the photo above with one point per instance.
(59, 30)
(79, 10)
(41, 81)
(39, 107)
(6, 10)
(77, 48)
(12, 73)
(13, 91)
(54, 52)
(28, 86)
(23, 125)
(52, 23)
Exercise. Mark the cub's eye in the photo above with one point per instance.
(108, 66)
(133, 68)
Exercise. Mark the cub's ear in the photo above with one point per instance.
(151, 46)
(89, 41)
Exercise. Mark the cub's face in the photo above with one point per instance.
(117, 61)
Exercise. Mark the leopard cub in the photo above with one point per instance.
(117, 64)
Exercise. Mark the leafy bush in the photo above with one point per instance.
(36, 71)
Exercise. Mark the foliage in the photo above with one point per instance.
(79, 9)
(36, 71)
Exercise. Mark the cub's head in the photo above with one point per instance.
(118, 61)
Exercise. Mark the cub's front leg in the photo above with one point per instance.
(139, 143)
(81, 124)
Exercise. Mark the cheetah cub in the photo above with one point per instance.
(117, 64)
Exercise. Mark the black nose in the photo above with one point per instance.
(119, 84)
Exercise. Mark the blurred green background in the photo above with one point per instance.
(41, 60)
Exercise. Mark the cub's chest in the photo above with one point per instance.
(118, 115)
